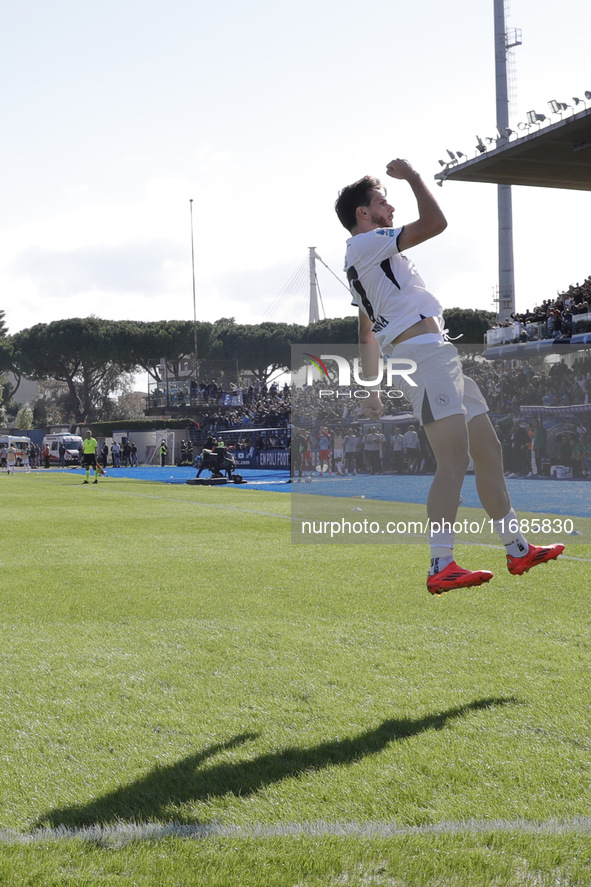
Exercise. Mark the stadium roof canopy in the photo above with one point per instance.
(554, 156)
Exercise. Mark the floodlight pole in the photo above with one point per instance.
(195, 356)
(504, 200)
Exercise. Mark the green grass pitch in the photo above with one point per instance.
(187, 698)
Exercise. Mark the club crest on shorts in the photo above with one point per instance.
(441, 400)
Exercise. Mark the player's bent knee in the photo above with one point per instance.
(452, 459)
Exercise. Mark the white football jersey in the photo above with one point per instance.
(386, 285)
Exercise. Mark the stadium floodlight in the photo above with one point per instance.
(480, 146)
(558, 107)
(523, 125)
(587, 94)
(460, 155)
(442, 162)
(451, 154)
(533, 117)
(578, 101)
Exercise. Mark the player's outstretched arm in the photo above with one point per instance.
(431, 221)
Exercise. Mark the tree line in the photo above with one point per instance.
(92, 357)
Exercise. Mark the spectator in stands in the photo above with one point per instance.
(373, 445)
(324, 451)
(116, 454)
(585, 454)
(413, 449)
(338, 464)
(520, 453)
(350, 448)
(26, 458)
(298, 447)
(563, 450)
(307, 462)
(10, 459)
(539, 441)
(313, 442)
(398, 450)
(34, 455)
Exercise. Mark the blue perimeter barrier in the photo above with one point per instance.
(540, 496)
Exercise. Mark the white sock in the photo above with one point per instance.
(442, 550)
(514, 541)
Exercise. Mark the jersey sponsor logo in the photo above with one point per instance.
(380, 324)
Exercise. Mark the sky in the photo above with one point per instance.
(116, 115)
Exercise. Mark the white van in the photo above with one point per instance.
(19, 442)
(72, 443)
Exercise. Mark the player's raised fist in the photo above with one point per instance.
(399, 169)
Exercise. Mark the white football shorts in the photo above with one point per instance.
(441, 389)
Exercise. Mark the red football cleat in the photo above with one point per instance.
(456, 577)
(536, 554)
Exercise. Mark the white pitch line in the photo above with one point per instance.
(125, 833)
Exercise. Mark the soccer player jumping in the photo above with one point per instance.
(401, 318)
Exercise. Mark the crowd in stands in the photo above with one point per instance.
(261, 440)
(528, 451)
(260, 407)
(508, 385)
(315, 410)
(553, 318)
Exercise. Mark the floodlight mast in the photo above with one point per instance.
(504, 200)
(195, 354)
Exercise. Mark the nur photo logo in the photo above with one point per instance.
(317, 363)
(344, 373)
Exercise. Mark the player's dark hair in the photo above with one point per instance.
(352, 196)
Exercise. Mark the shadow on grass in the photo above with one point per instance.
(187, 781)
